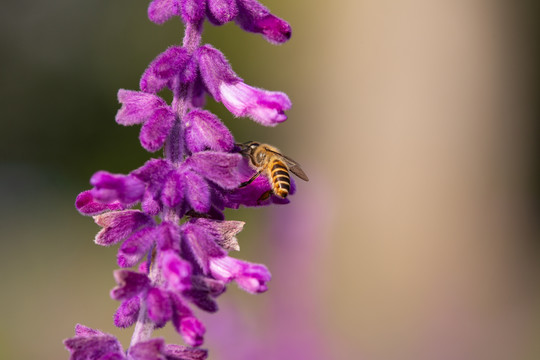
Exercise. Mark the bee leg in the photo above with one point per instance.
(246, 183)
(264, 196)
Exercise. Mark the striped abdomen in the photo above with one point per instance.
(281, 181)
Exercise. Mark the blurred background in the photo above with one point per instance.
(417, 236)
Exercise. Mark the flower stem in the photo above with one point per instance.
(174, 151)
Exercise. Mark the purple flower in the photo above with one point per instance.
(90, 344)
(204, 131)
(265, 107)
(160, 11)
(249, 277)
(250, 15)
(151, 111)
(254, 17)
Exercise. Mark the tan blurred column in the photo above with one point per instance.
(418, 123)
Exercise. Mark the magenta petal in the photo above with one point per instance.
(254, 17)
(191, 329)
(130, 283)
(159, 11)
(168, 236)
(221, 11)
(200, 244)
(214, 69)
(192, 10)
(154, 173)
(155, 131)
(94, 347)
(265, 107)
(127, 312)
(176, 271)
(159, 306)
(205, 131)
(197, 191)
(137, 107)
(173, 190)
(147, 350)
(136, 247)
(224, 169)
(85, 331)
(163, 69)
(179, 352)
(86, 204)
(119, 225)
(223, 232)
(249, 277)
(111, 187)
(274, 29)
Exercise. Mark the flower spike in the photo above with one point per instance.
(167, 216)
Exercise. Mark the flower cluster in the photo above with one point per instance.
(167, 216)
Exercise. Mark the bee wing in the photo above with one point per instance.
(297, 170)
(294, 167)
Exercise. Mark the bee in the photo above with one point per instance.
(276, 167)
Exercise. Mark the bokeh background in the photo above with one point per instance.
(417, 236)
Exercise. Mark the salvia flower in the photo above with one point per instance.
(166, 217)
(250, 15)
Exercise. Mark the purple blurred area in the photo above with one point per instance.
(417, 236)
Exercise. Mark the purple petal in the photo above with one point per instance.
(150, 204)
(211, 286)
(265, 107)
(85, 331)
(137, 107)
(176, 271)
(222, 168)
(197, 191)
(249, 277)
(148, 350)
(193, 10)
(204, 130)
(256, 18)
(111, 187)
(168, 236)
(136, 247)
(160, 11)
(200, 244)
(173, 190)
(214, 70)
(250, 195)
(87, 205)
(130, 283)
(119, 225)
(154, 132)
(127, 312)
(192, 330)
(163, 69)
(159, 306)
(198, 95)
(90, 346)
(179, 352)
(154, 173)
(221, 11)
(201, 299)
(223, 232)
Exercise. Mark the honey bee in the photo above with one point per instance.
(275, 166)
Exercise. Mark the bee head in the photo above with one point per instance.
(249, 147)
